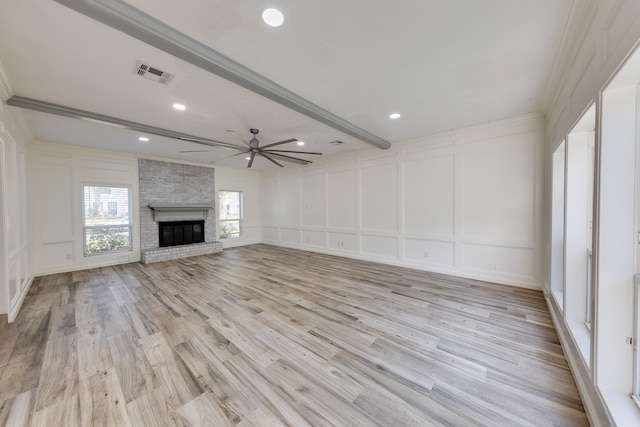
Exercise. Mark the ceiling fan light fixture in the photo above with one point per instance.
(272, 17)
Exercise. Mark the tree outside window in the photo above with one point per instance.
(106, 219)
(229, 214)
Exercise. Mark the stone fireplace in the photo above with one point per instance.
(180, 195)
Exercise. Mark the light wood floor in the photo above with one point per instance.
(266, 336)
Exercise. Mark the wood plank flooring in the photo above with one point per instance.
(267, 336)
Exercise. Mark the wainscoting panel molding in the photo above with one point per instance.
(468, 202)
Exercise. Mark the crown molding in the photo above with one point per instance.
(578, 24)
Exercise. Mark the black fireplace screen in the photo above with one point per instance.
(181, 233)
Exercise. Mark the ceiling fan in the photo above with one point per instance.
(253, 148)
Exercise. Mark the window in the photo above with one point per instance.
(230, 214)
(106, 230)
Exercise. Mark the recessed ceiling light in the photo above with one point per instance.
(143, 139)
(248, 158)
(179, 107)
(394, 116)
(273, 17)
(300, 142)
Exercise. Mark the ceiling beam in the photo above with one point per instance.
(121, 16)
(74, 113)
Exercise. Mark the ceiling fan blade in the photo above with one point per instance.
(239, 154)
(228, 157)
(297, 152)
(269, 158)
(286, 141)
(288, 158)
(75, 113)
(233, 132)
(210, 143)
(253, 156)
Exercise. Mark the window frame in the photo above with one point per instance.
(128, 225)
(239, 220)
(636, 335)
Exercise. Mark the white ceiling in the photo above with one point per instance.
(443, 64)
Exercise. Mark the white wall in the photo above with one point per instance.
(466, 202)
(248, 182)
(15, 269)
(58, 173)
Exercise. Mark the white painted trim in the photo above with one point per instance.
(593, 403)
(4, 274)
(636, 335)
(18, 305)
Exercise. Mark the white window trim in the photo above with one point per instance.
(636, 337)
(240, 219)
(129, 224)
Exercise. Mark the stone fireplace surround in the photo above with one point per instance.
(166, 184)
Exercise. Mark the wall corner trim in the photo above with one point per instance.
(16, 308)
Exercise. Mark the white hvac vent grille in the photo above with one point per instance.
(152, 73)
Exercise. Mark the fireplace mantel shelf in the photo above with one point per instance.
(179, 212)
(180, 207)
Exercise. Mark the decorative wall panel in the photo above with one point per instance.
(430, 252)
(379, 246)
(343, 199)
(467, 202)
(313, 238)
(313, 201)
(429, 190)
(379, 197)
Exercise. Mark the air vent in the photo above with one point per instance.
(152, 73)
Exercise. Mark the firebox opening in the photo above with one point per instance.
(181, 233)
